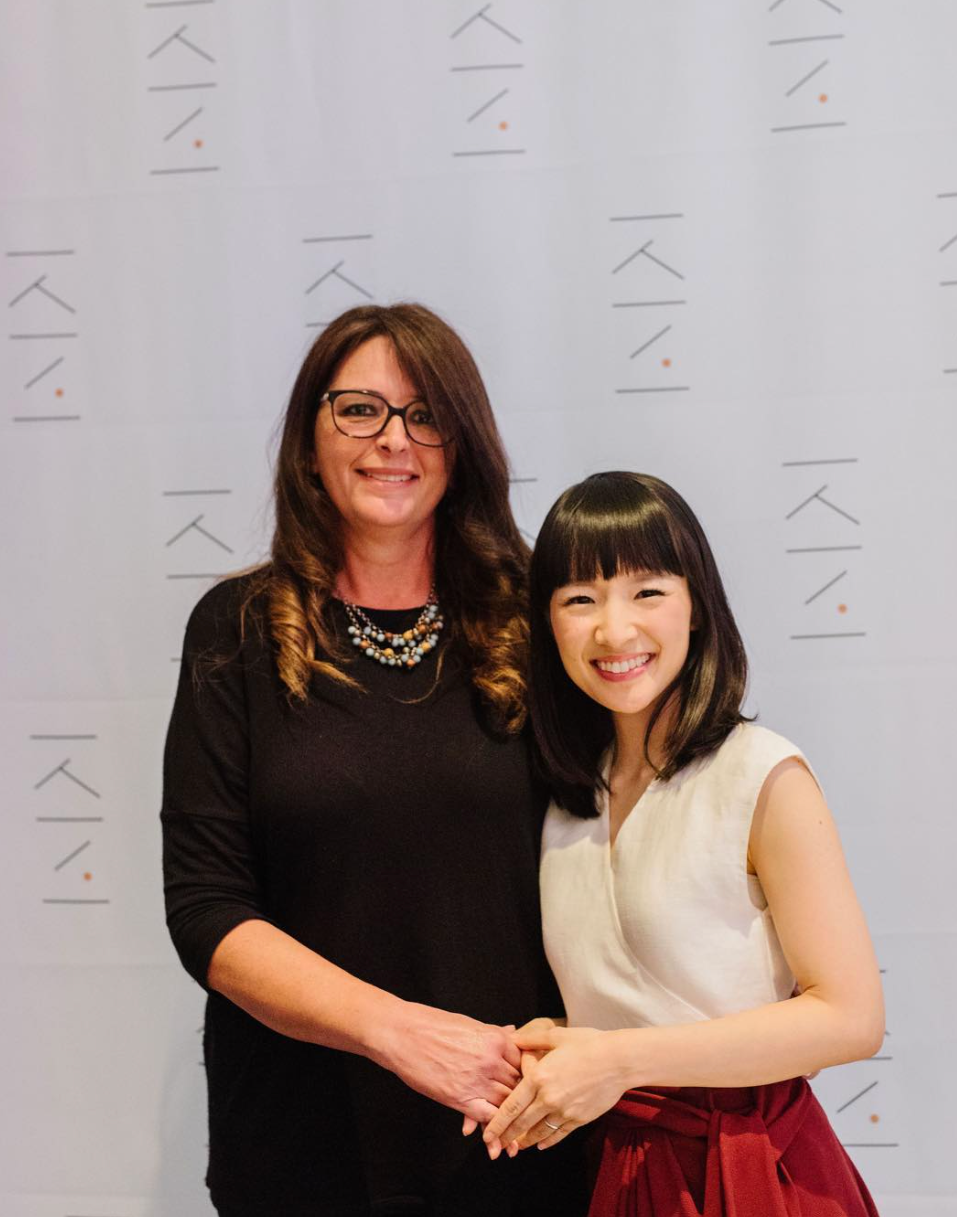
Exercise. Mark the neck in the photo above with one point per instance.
(380, 570)
(632, 758)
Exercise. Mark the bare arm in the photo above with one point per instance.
(838, 1016)
(456, 1060)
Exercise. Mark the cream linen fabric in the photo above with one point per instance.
(667, 926)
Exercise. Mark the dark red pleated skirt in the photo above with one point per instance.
(757, 1151)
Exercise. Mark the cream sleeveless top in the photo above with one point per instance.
(666, 926)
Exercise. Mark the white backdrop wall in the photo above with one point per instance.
(717, 242)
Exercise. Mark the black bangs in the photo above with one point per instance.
(609, 524)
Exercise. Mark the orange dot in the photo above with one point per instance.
(87, 876)
(823, 97)
(875, 1118)
(197, 143)
(503, 125)
(666, 363)
(842, 608)
(59, 392)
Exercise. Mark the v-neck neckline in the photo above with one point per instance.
(612, 845)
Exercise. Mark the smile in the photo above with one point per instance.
(627, 668)
(390, 478)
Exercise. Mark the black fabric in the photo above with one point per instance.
(398, 840)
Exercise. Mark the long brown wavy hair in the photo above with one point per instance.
(481, 561)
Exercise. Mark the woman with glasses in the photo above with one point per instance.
(691, 874)
(351, 824)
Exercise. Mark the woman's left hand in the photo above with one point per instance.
(578, 1080)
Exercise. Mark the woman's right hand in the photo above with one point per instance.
(458, 1061)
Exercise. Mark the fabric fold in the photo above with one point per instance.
(762, 1151)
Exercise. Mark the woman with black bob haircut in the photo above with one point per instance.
(696, 908)
(616, 522)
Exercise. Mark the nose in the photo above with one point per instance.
(393, 438)
(617, 627)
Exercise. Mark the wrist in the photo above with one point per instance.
(383, 1026)
(623, 1054)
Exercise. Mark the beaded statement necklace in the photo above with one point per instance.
(396, 650)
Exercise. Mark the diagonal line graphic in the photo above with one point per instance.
(183, 531)
(16, 299)
(822, 590)
(166, 42)
(804, 504)
(323, 278)
(339, 275)
(859, 1095)
(195, 114)
(70, 857)
(646, 345)
(56, 299)
(53, 772)
(465, 24)
(947, 244)
(804, 79)
(840, 511)
(193, 47)
(216, 540)
(664, 265)
(73, 778)
(482, 109)
(495, 25)
(39, 376)
(631, 257)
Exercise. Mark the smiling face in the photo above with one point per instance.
(387, 481)
(623, 640)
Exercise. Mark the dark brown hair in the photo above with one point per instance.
(481, 560)
(609, 524)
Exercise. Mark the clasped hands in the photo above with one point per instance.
(530, 1086)
(569, 1078)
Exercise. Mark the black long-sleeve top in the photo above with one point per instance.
(396, 837)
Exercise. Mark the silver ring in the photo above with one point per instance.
(553, 1127)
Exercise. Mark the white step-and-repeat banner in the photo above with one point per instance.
(716, 242)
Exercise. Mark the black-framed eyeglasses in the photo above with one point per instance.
(362, 414)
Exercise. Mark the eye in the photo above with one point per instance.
(357, 409)
(421, 416)
(647, 592)
(577, 598)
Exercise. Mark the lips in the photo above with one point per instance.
(625, 667)
(389, 477)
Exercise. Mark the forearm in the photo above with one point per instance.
(298, 993)
(780, 1040)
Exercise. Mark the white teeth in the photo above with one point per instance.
(390, 477)
(624, 665)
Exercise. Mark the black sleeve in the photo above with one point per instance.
(210, 871)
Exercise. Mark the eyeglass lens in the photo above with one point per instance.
(361, 415)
